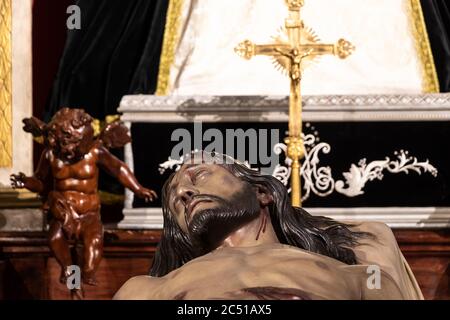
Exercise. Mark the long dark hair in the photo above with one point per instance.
(293, 226)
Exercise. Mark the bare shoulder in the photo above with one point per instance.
(137, 288)
(381, 249)
(384, 252)
(382, 244)
(382, 232)
(98, 148)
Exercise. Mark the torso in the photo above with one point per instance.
(77, 181)
(276, 265)
(224, 273)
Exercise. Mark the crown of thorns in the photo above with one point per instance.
(201, 156)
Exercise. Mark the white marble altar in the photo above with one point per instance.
(377, 108)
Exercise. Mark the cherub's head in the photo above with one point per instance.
(70, 134)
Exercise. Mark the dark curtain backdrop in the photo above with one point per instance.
(437, 19)
(116, 52)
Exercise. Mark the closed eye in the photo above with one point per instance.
(199, 174)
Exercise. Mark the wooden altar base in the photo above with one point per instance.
(28, 271)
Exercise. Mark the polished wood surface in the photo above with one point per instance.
(28, 270)
(428, 254)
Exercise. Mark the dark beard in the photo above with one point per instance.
(209, 227)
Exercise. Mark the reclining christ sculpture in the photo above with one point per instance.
(231, 233)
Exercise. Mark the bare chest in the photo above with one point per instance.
(235, 275)
(84, 169)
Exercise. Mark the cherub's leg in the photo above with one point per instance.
(93, 246)
(60, 248)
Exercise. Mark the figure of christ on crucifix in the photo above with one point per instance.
(295, 57)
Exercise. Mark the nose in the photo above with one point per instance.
(185, 194)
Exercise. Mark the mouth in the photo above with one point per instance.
(69, 155)
(193, 205)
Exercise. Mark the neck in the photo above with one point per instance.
(257, 232)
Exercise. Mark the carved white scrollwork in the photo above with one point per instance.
(358, 176)
(315, 178)
(319, 179)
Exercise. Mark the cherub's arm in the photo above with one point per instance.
(37, 181)
(122, 172)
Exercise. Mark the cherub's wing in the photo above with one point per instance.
(34, 126)
(115, 135)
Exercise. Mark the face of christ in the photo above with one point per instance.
(214, 201)
(209, 202)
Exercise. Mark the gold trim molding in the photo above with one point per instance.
(109, 198)
(20, 198)
(5, 84)
(170, 41)
(430, 82)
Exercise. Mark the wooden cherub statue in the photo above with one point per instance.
(67, 181)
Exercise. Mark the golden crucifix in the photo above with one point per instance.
(301, 44)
